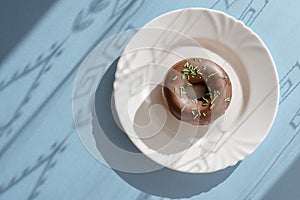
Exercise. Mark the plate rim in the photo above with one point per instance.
(252, 33)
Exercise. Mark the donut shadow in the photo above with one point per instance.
(169, 138)
(163, 182)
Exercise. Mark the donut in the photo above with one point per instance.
(197, 91)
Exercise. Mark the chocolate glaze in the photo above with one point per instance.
(197, 91)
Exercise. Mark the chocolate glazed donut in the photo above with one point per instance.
(197, 91)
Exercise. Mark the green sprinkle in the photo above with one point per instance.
(191, 67)
(208, 94)
(182, 76)
(199, 113)
(186, 64)
(211, 75)
(225, 77)
(211, 106)
(182, 108)
(175, 89)
(215, 97)
(196, 101)
(182, 91)
(185, 70)
(198, 72)
(205, 99)
(195, 67)
(193, 112)
(193, 108)
(196, 116)
(193, 76)
(204, 104)
(175, 78)
(204, 67)
(227, 99)
(218, 92)
(212, 101)
(204, 114)
(188, 77)
(209, 89)
(189, 84)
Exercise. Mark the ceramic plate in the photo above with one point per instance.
(205, 33)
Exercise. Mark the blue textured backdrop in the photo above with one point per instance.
(41, 156)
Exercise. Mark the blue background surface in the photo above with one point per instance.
(41, 156)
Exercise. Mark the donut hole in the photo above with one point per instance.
(197, 91)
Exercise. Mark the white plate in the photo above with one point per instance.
(196, 32)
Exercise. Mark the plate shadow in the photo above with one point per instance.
(164, 182)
